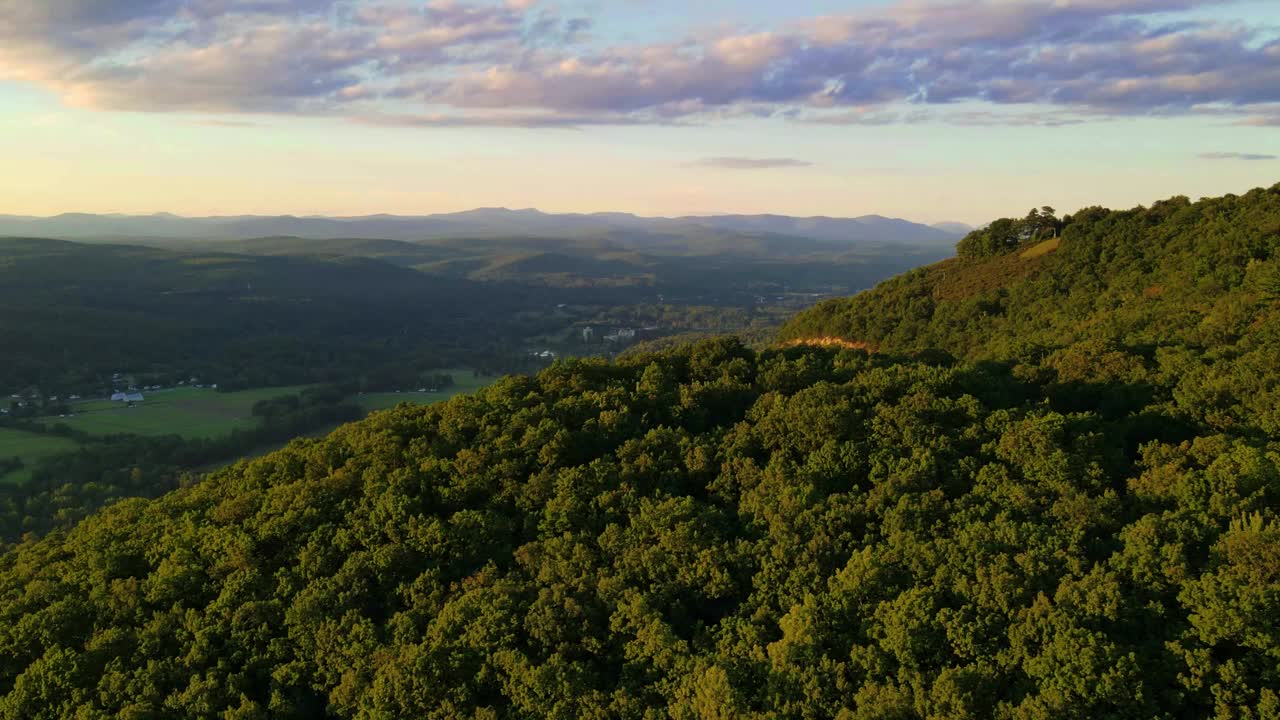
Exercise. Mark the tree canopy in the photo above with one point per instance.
(1050, 492)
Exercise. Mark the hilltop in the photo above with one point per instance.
(1192, 274)
(1048, 486)
(1177, 301)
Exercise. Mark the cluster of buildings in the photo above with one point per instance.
(135, 395)
(619, 335)
(33, 403)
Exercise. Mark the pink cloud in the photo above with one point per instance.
(474, 58)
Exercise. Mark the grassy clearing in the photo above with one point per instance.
(189, 412)
(464, 382)
(195, 413)
(1043, 248)
(31, 447)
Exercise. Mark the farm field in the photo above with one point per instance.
(464, 382)
(189, 412)
(193, 413)
(31, 448)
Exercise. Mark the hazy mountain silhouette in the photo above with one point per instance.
(481, 222)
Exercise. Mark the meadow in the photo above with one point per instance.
(193, 413)
(465, 381)
(30, 448)
(189, 412)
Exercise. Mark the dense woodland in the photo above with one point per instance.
(75, 314)
(1037, 481)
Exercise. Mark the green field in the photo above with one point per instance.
(31, 447)
(192, 413)
(1043, 248)
(189, 412)
(464, 382)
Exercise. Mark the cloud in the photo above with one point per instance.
(520, 63)
(1236, 156)
(277, 56)
(495, 119)
(217, 122)
(1261, 121)
(974, 118)
(749, 163)
(1086, 58)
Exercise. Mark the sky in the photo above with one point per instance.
(924, 109)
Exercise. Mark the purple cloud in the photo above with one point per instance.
(520, 64)
(1089, 57)
(969, 118)
(496, 120)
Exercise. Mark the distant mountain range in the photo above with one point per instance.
(485, 222)
(954, 228)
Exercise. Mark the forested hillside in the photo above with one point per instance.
(1049, 491)
(71, 315)
(1178, 272)
(1178, 302)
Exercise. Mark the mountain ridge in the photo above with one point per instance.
(479, 222)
